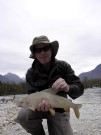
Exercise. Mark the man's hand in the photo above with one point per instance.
(43, 106)
(60, 85)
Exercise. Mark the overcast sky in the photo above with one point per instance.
(76, 24)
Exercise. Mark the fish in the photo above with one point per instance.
(31, 101)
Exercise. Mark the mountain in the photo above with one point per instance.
(3, 79)
(11, 78)
(93, 74)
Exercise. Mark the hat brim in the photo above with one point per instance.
(54, 45)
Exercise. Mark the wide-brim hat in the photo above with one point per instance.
(45, 40)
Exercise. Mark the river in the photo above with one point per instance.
(90, 119)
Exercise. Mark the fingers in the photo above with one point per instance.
(60, 85)
(43, 106)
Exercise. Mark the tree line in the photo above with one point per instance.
(89, 83)
(13, 89)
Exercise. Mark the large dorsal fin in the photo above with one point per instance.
(50, 90)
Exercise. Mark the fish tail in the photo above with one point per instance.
(76, 110)
(67, 109)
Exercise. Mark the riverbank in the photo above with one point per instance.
(88, 124)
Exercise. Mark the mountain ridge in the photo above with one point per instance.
(93, 74)
(13, 78)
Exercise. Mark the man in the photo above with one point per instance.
(46, 72)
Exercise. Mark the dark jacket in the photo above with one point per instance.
(38, 78)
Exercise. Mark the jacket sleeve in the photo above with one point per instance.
(29, 82)
(75, 85)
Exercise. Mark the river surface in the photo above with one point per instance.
(89, 122)
(90, 114)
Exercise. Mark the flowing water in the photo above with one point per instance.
(90, 119)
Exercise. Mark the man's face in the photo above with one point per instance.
(43, 53)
